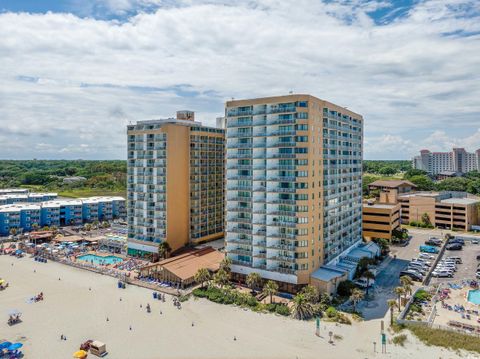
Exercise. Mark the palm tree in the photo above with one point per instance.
(164, 249)
(253, 280)
(202, 276)
(399, 291)
(392, 303)
(270, 289)
(13, 231)
(368, 275)
(311, 293)
(407, 283)
(356, 296)
(302, 308)
(220, 278)
(35, 226)
(226, 264)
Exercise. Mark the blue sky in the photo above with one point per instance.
(74, 73)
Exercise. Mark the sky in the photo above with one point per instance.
(74, 73)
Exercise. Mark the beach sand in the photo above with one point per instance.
(73, 310)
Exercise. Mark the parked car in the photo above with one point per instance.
(456, 259)
(478, 275)
(457, 240)
(363, 282)
(422, 261)
(433, 242)
(441, 274)
(412, 274)
(426, 256)
(421, 271)
(478, 258)
(429, 249)
(454, 247)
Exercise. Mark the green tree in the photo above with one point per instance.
(453, 184)
(406, 283)
(164, 249)
(392, 303)
(221, 278)
(356, 296)
(202, 276)
(270, 289)
(311, 293)
(302, 308)
(253, 280)
(412, 172)
(368, 276)
(226, 264)
(423, 183)
(474, 186)
(387, 171)
(399, 291)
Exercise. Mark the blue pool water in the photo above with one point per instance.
(98, 259)
(474, 296)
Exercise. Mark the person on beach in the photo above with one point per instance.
(61, 337)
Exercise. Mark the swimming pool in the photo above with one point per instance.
(100, 260)
(474, 296)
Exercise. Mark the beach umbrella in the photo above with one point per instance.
(5, 345)
(15, 346)
(2, 281)
(14, 312)
(80, 354)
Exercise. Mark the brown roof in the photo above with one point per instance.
(185, 266)
(391, 183)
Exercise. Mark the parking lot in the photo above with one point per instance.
(468, 268)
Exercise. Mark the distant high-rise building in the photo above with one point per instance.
(458, 160)
(294, 186)
(175, 183)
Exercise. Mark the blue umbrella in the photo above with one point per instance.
(5, 345)
(15, 346)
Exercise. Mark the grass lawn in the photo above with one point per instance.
(446, 338)
(89, 192)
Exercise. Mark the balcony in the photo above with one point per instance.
(240, 230)
(279, 258)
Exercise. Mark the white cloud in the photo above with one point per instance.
(68, 81)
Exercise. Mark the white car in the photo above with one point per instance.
(363, 282)
(442, 274)
(421, 261)
(426, 256)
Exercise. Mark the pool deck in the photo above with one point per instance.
(457, 297)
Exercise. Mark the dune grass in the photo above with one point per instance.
(446, 338)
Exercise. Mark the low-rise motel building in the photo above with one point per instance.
(380, 220)
(24, 215)
(448, 209)
(175, 183)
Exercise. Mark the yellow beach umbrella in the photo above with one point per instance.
(81, 354)
(2, 281)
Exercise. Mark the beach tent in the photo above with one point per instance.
(15, 346)
(5, 345)
(81, 354)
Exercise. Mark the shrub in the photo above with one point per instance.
(422, 295)
(345, 288)
(252, 302)
(400, 339)
(184, 298)
(199, 293)
(271, 307)
(343, 319)
(331, 312)
(282, 310)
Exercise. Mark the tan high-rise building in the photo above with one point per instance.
(175, 183)
(294, 186)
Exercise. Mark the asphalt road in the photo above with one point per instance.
(387, 279)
